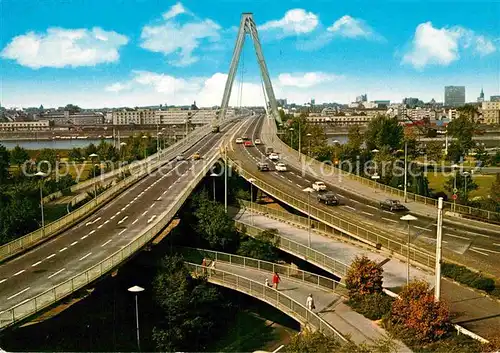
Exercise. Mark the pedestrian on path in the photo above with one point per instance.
(267, 283)
(212, 268)
(276, 280)
(310, 302)
(204, 265)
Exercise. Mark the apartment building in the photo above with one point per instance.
(25, 125)
(491, 112)
(172, 116)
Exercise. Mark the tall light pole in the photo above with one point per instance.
(92, 156)
(408, 218)
(406, 172)
(158, 146)
(308, 190)
(439, 240)
(225, 179)
(291, 137)
(213, 175)
(136, 290)
(145, 146)
(251, 181)
(465, 174)
(300, 144)
(335, 142)
(453, 167)
(41, 175)
(309, 148)
(122, 145)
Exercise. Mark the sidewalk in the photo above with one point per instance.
(471, 309)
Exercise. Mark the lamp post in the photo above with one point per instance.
(145, 146)
(251, 181)
(408, 218)
(158, 146)
(406, 172)
(213, 175)
(136, 290)
(122, 145)
(299, 132)
(92, 156)
(335, 142)
(453, 167)
(41, 175)
(291, 137)
(465, 174)
(309, 148)
(439, 239)
(308, 190)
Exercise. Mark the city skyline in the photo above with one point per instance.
(176, 53)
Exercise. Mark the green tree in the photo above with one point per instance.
(4, 164)
(19, 213)
(18, 156)
(482, 156)
(493, 201)
(49, 156)
(91, 149)
(495, 159)
(364, 277)
(72, 108)
(463, 196)
(462, 129)
(262, 247)
(75, 155)
(355, 138)
(384, 131)
(434, 150)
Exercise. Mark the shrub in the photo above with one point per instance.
(364, 277)
(470, 278)
(372, 306)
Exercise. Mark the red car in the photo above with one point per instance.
(248, 144)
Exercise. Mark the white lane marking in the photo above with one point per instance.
(73, 243)
(21, 292)
(300, 176)
(456, 236)
(56, 273)
(488, 250)
(144, 213)
(299, 185)
(36, 263)
(100, 226)
(113, 217)
(164, 192)
(390, 220)
(51, 256)
(123, 220)
(479, 252)
(351, 208)
(422, 228)
(17, 273)
(123, 209)
(366, 213)
(496, 244)
(375, 208)
(3, 280)
(134, 222)
(151, 206)
(282, 176)
(151, 219)
(63, 249)
(84, 237)
(92, 222)
(106, 222)
(389, 212)
(290, 181)
(341, 196)
(354, 200)
(117, 213)
(106, 243)
(123, 231)
(83, 257)
(92, 232)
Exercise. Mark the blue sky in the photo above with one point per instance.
(142, 52)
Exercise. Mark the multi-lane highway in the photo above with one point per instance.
(103, 233)
(478, 249)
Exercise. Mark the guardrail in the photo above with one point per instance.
(273, 138)
(31, 306)
(25, 242)
(295, 274)
(344, 226)
(269, 295)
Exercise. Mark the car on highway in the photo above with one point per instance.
(196, 156)
(281, 167)
(319, 186)
(328, 198)
(263, 166)
(274, 156)
(257, 142)
(180, 157)
(269, 150)
(392, 205)
(248, 144)
(244, 137)
(239, 140)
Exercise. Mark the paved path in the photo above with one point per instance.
(329, 305)
(471, 309)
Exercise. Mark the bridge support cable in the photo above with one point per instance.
(248, 26)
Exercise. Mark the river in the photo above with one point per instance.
(54, 144)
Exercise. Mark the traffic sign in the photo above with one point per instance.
(454, 196)
(455, 190)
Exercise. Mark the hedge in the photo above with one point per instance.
(470, 278)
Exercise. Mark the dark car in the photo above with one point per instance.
(392, 205)
(328, 198)
(263, 166)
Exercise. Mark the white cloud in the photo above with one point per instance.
(166, 84)
(442, 46)
(294, 22)
(350, 27)
(174, 39)
(60, 47)
(307, 79)
(118, 87)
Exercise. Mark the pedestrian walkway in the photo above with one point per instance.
(472, 310)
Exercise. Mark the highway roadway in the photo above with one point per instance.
(104, 232)
(477, 249)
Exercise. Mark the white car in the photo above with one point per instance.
(239, 140)
(179, 157)
(281, 167)
(257, 142)
(274, 156)
(319, 186)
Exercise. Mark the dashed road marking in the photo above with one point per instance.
(422, 228)
(113, 217)
(17, 273)
(134, 222)
(74, 243)
(106, 243)
(496, 244)
(21, 292)
(151, 219)
(390, 220)
(100, 226)
(51, 256)
(56, 273)
(123, 231)
(367, 213)
(84, 257)
(63, 249)
(84, 237)
(456, 236)
(375, 208)
(3, 280)
(299, 185)
(290, 181)
(144, 213)
(92, 232)
(106, 222)
(36, 263)
(122, 220)
(488, 250)
(351, 208)
(389, 212)
(479, 252)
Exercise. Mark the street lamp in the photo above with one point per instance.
(251, 181)
(291, 137)
(213, 175)
(335, 142)
(453, 167)
(309, 140)
(465, 174)
(308, 190)
(408, 218)
(41, 175)
(136, 290)
(122, 145)
(375, 150)
(300, 144)
(145, 149)
(92, 156)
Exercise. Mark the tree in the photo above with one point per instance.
(49, 156)
(460, 184)
(262, 247)
(493, 201)
(419, 314)
(4, 164)
(384, 131)
(364, 277)
(18, 156)
(355, 138)
(91, 149)
(482, 156)
(462, 129)
(434, 150)
(75, 155)
(495, 159)
(72, 108)
(19, 213)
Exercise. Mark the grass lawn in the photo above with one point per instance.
(484, 182)
(53, 212)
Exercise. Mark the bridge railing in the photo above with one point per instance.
(269, 295)
(196, 255)
(271, 138)
(71, 285)
(342, 225)
(139, 171)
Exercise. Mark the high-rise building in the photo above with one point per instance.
(480, 99)
(494, 98)
(281, 102)
(454, 96)
(362, 98)
(313, 102)
(413, 102)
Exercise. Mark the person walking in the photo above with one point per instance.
(276, 280)
(310, 302)
(204, 265)
(212, 267)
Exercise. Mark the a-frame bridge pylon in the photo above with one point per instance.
(247, 26)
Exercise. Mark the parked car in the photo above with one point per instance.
(196, 156)
(319, 186)
(248, 144)
(281, 167)
(179, 158)
(257, 142)
(263, 166)
(239, 140)
(328, 198)
(244, 137)
(392, 205)
(269, 150)
(274, 156)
